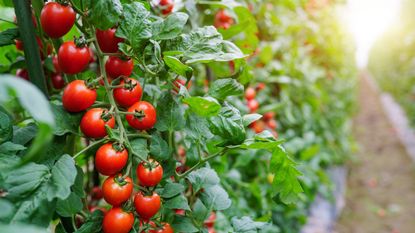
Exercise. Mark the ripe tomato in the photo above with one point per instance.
(56, 64)
(73, 59)
(147, 206)
(180, 212)
(165, 228)
(223, 20)
(77, 96)
(257, 126)
(22, 73)
(93, 123)
(149, 174)
(166, 6)
(117, 189)
(210, 222)
(260, 87)
(108, 42)
(253, 105)
(211, 230)
(19, 45)
(268, 116)
(250, 93)
(181, 82)
(117, 221)
(110, 159)
(57, 81)
(116, 67)
(148, 118)
(272, 124)
(96, 193)
(56, 19)
(129, 94)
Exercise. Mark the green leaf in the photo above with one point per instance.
(8, 36)
(177, 202)
(159, 149)
(170, 27)
(178, 67)
(171, 189)
(24, 135)
(65, 121)
(78, 187)
(169, 113)
(203, 106)
(105, 14)
(69, 206)
(197, 127)
(138, 26)
(139, 146)
(20, 227)
(222, 88)
(203, 178)
(216, 198)
(93, 223)
(38, 147)
(250, 118)
(200, 212)
(184, 224)
(7, 209)
(63, 177)
(246, 225)
(10, 148)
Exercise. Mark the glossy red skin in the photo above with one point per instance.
(250, 93)
(167, 6)
(108, 161)
(56, 19)
(253, 105)
(210, 222)
(165, 229)
(56, 64)
(19, 45)
(22, 73)
(147, 121)
(72, 59)
(223, 20)
(117, 221)
(272, 124)
(147, 177)
(108, 42)
(114, 193)
(93, 126)
(78, 97)
(147, 206)
(268, 116)
(57, 81)
(116, 67)
(125, 97)
(96, 193)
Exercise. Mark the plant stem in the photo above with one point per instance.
(89, 147)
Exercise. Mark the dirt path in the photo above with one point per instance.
(381, 185)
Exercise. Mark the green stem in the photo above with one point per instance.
(89, 147)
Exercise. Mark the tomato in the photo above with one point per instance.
(181, 82)
(93, 123)
(73, 59)
(129, 94)
(19, 45)
(257, 126)
(56, 19)
(148, 118)
(116, 67)
(96, 193)
(57, 81)
(250, 93)
(165, 228)
(117, 221)
(117, 189)
(108, 42)
(232, 66)
(56, 64)
(77, 96)
(110, 159)
(272, 124)
(210, 222)
(180, 212)
(223, 20)
(211, 230)
(22, 73)
(147, 206)
(253, 105)
(260, 87)
(166, 6)
(268, 116)
(149, 174)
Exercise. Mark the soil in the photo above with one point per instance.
(381, 184)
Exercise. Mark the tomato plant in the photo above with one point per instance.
(164, 112)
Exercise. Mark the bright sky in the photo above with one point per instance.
(367, 19)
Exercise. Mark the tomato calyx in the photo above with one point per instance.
(120, 180)
(139, 114)
(63, 2)
(80, 42)
(106, 115)
(117, 146)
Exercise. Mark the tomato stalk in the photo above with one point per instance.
(90, 146)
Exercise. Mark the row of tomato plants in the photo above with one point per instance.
(153, 107)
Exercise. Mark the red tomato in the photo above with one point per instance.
(22, 73)
(56, 19)
(108, 42)
(223, 20)
(147, 206)
(260, 87)
(116, 67)
(147, 121)
(93, 123)
(56, 64)
(117, 221)
(211, 230)
(180, 212)
(181, 82)
(165, 228)
(96, 193)
(57, 81)
(73, 59)
(77, 96)
(19, 45)
(109, 161)
(257, 126)
(250, 93)
(129, 94)
(253, 105)
(268, 116)
(166, 6)
(272, 124)
(117, 189)
(232, 66)
(149, 174)
(210, 222)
